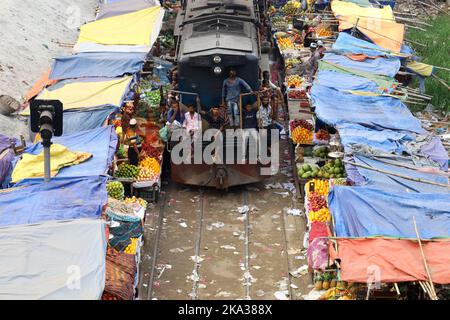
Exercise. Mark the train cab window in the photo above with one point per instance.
(219, 25)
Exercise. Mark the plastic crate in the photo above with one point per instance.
(149, 194)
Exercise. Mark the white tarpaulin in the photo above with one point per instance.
(57, 260)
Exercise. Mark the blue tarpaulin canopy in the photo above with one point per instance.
(365, 212)
(384, 140)
(387, 182)
(97, 64)
(334, 107)
(100, 142)
(77, 121)
(346, 43)
(342, 81)
(59, 199)
(383, 66)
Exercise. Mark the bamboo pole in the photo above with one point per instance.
(440, 80)
(425, 260)
(433, 6)
(415, 21)
(425, 289)
(441, 68)
(397, 175)
(414, 27)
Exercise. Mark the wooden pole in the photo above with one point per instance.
(425, 261)
(397, 175)
(441, 81)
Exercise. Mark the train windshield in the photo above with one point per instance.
(221, 25)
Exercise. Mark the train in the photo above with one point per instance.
(214, 37)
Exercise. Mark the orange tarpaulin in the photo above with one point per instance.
(387, 34)
(40, 84)
(393, 260)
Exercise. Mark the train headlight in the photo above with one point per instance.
(217, 59)
(217, 70)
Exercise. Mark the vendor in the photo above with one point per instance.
(134, 142)
(127, 116)
(313, 62)
(320, 49)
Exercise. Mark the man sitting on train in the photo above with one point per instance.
(214, 118)
(175, 113)
(231, 91)
(192, 122)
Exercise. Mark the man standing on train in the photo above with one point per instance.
(231, 90)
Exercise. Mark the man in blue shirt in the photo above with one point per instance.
(175, 113)
(231, 90)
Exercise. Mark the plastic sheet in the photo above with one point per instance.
(386, 260)
(366, 212)
(382, 66)
(77, 121)
(111, 9)
(101, 143)
(97, 64)
(53, 261)
(334, 107)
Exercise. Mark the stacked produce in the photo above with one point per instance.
(321, 152)
(291, 8)
(322, 215)
(149, 169)
(115, 190)
(322, 135)
(321, 187)
(301, 135)
(301, 123)
(315, 202)
(134, 200)
(132, 247)
(333, 169)
(294, 81)
(323, 31)
(121, 153)
(285, 44)
(153, 97)
(291, 62)
(127, 171)
(297, 95)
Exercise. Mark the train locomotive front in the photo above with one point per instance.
(213, 38)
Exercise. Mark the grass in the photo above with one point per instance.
(436, 53)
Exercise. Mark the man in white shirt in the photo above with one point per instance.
(192, 122)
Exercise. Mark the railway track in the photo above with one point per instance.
(203, 248)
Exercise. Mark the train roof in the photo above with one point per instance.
(204, 9)
(208, 27)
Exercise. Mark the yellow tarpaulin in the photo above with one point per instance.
(134, 28)
(386, 34)
(342, 8)
(420, 68)
(78, 95)
(377, 24)
(32, 166)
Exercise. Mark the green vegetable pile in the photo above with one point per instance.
(332, 169)
(127, 171)
(321, 152)
(115, 190)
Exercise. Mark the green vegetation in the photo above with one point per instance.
(436, 53)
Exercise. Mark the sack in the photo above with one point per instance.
(164, 133)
